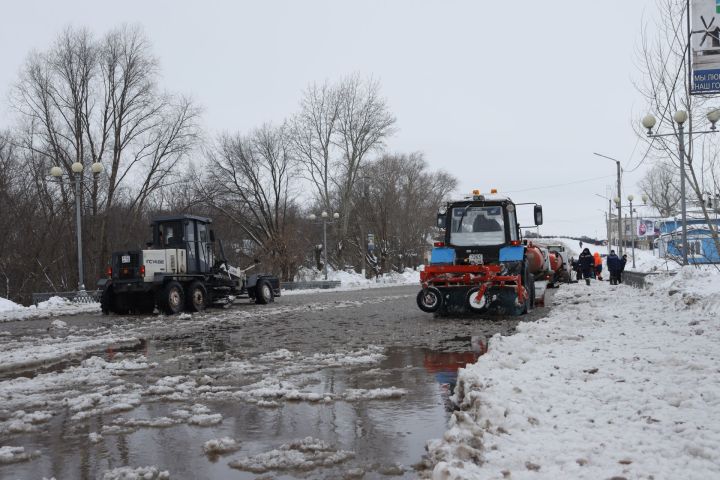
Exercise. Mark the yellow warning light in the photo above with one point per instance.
(476, 192)
(494, 190)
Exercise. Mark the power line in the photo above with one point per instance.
(561, 184)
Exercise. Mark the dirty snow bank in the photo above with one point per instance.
(55, 306)
(354, 281)
(35, 352)
(615, 382)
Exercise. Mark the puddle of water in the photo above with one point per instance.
(381, 433)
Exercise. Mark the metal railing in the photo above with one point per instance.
(323, 284)
(83, 296)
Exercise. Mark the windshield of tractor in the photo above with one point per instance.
(473, 226)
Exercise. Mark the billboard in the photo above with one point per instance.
(705, 42)
(645, 228)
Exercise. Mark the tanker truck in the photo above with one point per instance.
(482, 264)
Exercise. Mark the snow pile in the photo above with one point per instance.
(53, 302)
(615, 382)
(218, 446)
(306, 454)
(55, 306)
(351, 280)
(139, 473)
(8, 306)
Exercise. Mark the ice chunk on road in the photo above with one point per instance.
(306, 454)
(205, 419)
(58, 324)
(354, 394)
(219, 446)
(10, 454)
(24, 422)
(138, 473)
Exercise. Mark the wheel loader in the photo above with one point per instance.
(179, 271)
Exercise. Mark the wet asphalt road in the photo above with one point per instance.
(386, 437)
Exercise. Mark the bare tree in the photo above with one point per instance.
(398, 201)
(248, 181)
(660, 184)
(86, 100)
(364, 122)
(664, 71)
(313, 131)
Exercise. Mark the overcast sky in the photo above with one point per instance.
(508, 95)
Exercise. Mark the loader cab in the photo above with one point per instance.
(186, 232)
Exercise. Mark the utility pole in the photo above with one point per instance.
(619, 201)
(619, 212)
(681, 140)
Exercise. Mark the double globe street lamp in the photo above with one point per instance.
(324, 219)
(680, 118)
(77, 168)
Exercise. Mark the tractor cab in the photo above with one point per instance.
(189, 233)
(477, 227)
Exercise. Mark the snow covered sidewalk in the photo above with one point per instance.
(615, 383)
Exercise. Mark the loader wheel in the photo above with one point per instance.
(106, 301)
(475, 304)
(172, 299)
(144, 303)
(263, 292)
(429, 300)
(197, 297)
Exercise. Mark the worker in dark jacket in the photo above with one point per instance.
(623, 261)
(587, 264)
(614, 265)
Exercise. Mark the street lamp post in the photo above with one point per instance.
(680, 118)
(77, 169)
(324, 215)
(620, 246)
(632, 228)
(619, 194)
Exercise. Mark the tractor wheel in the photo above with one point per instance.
(172, 299)
(429, 300)
(196, 298)
(475, 304)
(529, 284)
(263, 292)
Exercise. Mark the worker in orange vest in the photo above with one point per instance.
(598, 266)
